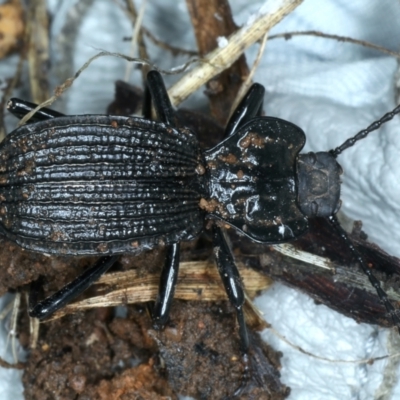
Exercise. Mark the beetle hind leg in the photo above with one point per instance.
(65, 295)
(19, 108)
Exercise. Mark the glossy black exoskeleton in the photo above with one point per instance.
(106, 185)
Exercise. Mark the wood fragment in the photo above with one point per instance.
(137, 37)
(38, 50)
(197, 280)
(222, 57)
(212, 23)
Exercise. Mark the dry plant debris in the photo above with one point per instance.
(12, 27)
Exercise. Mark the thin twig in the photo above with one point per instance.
(11, 84)
(130, 287)
(176, 51)
(222, 58)
(6, 364)
(59, 90)
(13, 308)
(34, 326)
(131, 13)
(38, 49)
(360, 361)
(246, 84)
(14, 321)
(135, 37)
(289, 35)
(163, 45)
(6, 310)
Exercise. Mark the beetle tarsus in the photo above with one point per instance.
(245, 376)
(234, 288)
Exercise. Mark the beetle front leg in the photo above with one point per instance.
(65, 295)
(156, 93)
(250, 107)
(234, 288)
(169, 276)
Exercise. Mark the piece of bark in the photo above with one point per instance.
(212, 23)
(344, 287)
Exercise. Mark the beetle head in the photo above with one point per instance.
(318, 176)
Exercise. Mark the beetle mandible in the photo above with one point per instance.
(107, 185)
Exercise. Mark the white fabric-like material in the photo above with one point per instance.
(331, 90)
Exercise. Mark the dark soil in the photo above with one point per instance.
(96, 355)
(104, 354)
(92, 355)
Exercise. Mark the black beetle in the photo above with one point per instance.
(106, 185)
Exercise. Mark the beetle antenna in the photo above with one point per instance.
(374, 281)
(362, 134)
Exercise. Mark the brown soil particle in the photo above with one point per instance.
(96, 355)
(141, 382)
(88, 354)
(80, 357)
(200, 349)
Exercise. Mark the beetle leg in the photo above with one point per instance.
(156, 89)
(156, 93)
(167, 286)
(19, 108)
(234, 288)
(374, 282)
(49, 305)
(147, 104)
(250, 107)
